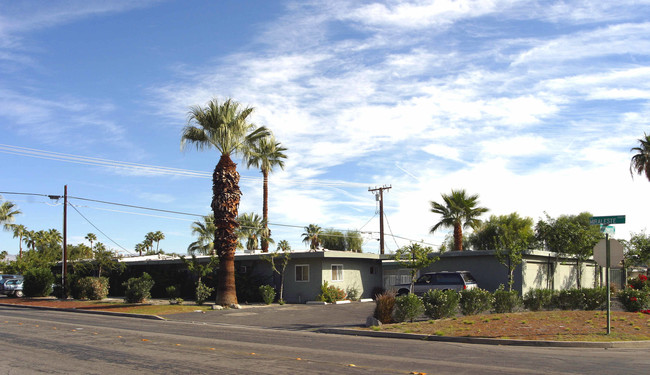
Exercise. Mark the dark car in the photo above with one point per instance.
(445, 280)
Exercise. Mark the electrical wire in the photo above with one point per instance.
(99, 230)
(195, 215)
(151, 169)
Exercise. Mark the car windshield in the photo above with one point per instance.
(11, 282)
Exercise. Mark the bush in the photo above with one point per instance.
(138, 289)
(569, 299)
(506, 301)
(268, 294)
(408, 307)
(538, 299)
(440, 304)
(385, 303)
(475, 301)
(38, 282)
(353, 293)
(92, 288)
(330, 293)
(594, 298)
(633, 299)
(640, 282)
(172, 292)
(203, 292)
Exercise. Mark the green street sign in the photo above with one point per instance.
(606, 220)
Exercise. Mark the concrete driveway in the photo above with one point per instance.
(290, 316)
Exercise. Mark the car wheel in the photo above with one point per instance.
(402, 292)
(18, 293)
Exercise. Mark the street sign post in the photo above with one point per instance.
(606, 220)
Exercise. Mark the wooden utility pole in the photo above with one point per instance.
(379, 195)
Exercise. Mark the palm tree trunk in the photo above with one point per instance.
(225, 206)
(458, 237)
(265, 210)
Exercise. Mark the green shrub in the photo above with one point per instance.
(92, 288)
(203, 292)
(440, 304)
(475, 301)
(639, 282)
(633, 299)
(385, 303)
(594, 298)
(38, 282)
(408, 307)
(538, 299)
(353, 293)
(506, 301)
(330, 293)
(138, 289)
(172, 292)
(268, 294)
(569, 299)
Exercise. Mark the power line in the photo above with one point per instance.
(187, 214)
(94, 226)
(150, 169)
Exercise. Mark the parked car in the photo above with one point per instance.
(12, 287)
(445, 280)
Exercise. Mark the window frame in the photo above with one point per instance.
(301, 273)
(338, 273)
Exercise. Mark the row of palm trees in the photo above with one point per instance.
(146, 245)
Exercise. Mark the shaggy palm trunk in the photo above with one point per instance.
(265, 212)
(458, 237)
(225, 204)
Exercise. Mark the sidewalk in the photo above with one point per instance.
(292, 317)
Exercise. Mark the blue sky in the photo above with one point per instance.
(533, 105)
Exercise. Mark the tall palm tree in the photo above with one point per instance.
(312, 231)
(29, 237)
(158, 236)
(8, 212)
(91, 237)
(458, 211)
(19, 231)
(252, 230)
(265, 155)
(204, 230)
(640, 163)
(226, 127)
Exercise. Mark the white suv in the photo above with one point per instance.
(445, 280)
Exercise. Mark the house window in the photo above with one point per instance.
(337, 272)
(302, 272)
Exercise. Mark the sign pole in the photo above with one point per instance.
(609, 305)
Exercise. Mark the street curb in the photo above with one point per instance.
(487, 341)
(84, 311)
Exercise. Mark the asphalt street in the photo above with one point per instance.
(39, 341)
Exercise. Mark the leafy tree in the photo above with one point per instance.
(311, 236)
(415, 257)
(638, 248)
(332, 239)
(226, 127)
(265, 155)
(569, 235)
(458, 211)
(640, 162)
(353, 241)
(279, 261)
(105, 260)
(204, 230)
(510, 235)
(8, 212)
